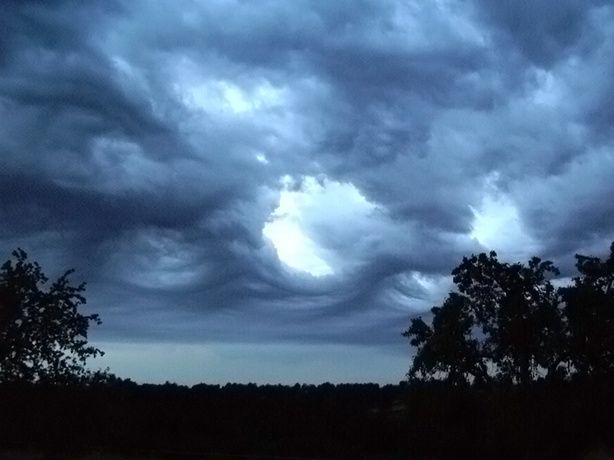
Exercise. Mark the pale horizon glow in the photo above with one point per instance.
(221, 363)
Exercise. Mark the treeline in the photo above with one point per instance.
(324, 421)
(421, 420)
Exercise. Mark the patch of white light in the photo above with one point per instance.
(236, 99)
(261, 158)
(216, 96)
(309, 223)
(498, 226)
(294, 248)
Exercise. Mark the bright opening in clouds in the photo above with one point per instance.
(497, 224)
(293, 247)
(305, 209)
(224, 97)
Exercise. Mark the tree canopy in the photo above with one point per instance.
(508, 323)
(43, 336)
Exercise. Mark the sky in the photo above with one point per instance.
(267, 191)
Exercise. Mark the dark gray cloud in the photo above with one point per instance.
(543, 32)
(149, 145)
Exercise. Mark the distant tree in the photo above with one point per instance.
(503, 324)
(43, 337)
(589, 308)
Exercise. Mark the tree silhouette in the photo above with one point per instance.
(508, 323)
(589, 307)
(43, 337)
(447, 349)
(503, 324)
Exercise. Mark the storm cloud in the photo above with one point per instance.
(297, 175)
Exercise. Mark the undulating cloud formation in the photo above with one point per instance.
(268, 191)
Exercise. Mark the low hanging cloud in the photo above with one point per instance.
(299, 172)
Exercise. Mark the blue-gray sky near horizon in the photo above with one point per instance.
(267, 191)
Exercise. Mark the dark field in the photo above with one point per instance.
(566, 420)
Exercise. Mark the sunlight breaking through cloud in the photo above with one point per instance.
(302, 211)
(498, 226)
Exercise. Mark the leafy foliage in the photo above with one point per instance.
(447, 348)
(590, 314)
(43, 337)
(508, 323)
